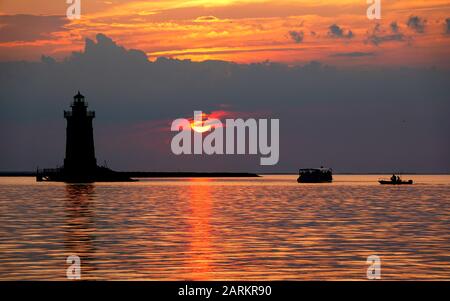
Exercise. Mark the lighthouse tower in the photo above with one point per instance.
(80, 165)
(80, 152)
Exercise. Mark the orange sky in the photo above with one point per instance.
(287, 31)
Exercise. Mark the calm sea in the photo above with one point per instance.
(267, 228)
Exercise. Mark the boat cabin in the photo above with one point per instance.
(315, 175)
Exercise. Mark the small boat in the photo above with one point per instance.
(390, 182)
(315, 175)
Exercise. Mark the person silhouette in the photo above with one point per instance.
(393, 178)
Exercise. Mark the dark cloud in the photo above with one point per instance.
(29, 27)
(416, 23)
(379, 36)
(379, 39)
(336, 31)
(447, 26)
(394, 27)
(323, 111)
(106, 49)
(350, 34)
(353, 54)
(377, 28)
(296, 36)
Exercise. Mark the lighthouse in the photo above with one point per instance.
(80, 164)
(80, 151)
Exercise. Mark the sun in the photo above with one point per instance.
(199, 127)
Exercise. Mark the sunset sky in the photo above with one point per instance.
(350, 93)
(411, 32)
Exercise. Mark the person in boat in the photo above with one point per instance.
(394, 178)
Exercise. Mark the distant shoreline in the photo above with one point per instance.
(145, 174)
(169, 174)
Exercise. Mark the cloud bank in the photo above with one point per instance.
(355, 119)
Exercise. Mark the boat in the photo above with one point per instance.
(390, 182)
(395, 180)
(315, 175)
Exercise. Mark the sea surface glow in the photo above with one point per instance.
(268, 228)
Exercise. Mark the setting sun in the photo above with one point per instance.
(199, 127)
(200, 124)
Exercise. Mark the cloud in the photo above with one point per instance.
(358, 110)
(29, 27)
(416, 23)
(207, 19)
(353, 54)
(447, 26)
(296, 36)
(336, 31)
(379, 35)
(379, 39)
(394, 27)
(105, 50)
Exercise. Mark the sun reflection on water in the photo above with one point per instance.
(200, 246)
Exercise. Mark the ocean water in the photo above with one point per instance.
(268, 228)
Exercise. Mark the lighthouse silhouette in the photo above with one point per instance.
(80, 151)
(80, 164)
